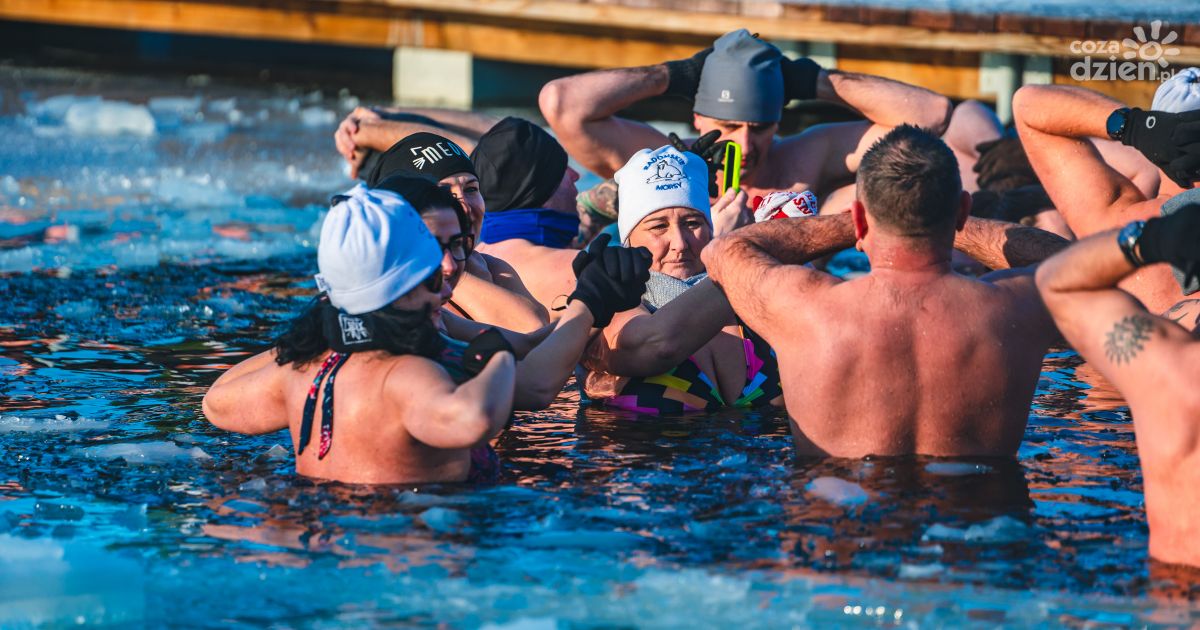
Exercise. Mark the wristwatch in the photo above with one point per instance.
(1128, 238)
(1117, 121)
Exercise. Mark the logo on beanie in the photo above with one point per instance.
(430, 155)
(667, 176)
(725, 97)
(353, 330)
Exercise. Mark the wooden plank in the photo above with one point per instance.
(954, 74)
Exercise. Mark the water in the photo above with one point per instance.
(136, 266)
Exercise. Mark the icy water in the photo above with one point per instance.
(149, 239)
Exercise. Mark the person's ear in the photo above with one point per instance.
(858, 213)
(696, 121)
(964, 211)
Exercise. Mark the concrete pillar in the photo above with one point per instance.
(825, 54)
(428, 77)
(1000, 75)
(1037, 70)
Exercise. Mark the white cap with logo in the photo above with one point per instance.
(374, 248)
(1179, 94)
(661, 178)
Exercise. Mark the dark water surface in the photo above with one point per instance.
(120, 304)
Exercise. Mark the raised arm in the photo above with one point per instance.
(1141, 354)
(248, 397)
(1004, 245)
(581, 109)
(760, 268)
(376, 129)
(1055, 123)
(441, 415)
(886, 102)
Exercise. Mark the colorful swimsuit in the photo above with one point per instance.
(685, 387)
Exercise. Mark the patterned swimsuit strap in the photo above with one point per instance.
(330, 367)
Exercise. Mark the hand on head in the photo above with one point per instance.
(1174, 239)
(710, 150)
(609, 280)
(1170, 141)
(683, 76)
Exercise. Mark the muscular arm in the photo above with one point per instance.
(581, 109)
(886, 102)
(444, 416)
(641, 343)
(1143, 355)
(248, 398)
(1055, 123)
(752, 264)
(1004, 245)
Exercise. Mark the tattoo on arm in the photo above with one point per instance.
(1127, 338)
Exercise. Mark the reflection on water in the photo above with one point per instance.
(112, 483)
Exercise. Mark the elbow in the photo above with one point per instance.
(1025, 104)
(212, 412)
(472, 426)
(550, 102)
(534, 398)
(1046, 278)
(937, 116)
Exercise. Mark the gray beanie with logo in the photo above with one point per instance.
(741, 80)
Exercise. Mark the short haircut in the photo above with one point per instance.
(908, 181)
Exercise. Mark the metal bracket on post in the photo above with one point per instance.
(429, 77)
(1000, 74)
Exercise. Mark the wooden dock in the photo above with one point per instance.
(957, 54)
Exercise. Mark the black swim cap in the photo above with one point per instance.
(425, 154)
(519, 165)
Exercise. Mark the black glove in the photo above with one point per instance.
(709, 150)
(683, 76)
(1174, 239)
(1003, 165)
(482, 348)
(610, 279)
(1170, 141)
(799, 78)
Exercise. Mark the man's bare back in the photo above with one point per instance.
(893, 364)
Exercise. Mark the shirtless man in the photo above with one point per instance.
(910, 358)
(1153, 361)
(739, 87)
(1057, 124)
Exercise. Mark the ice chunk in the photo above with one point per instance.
(277, 453)
(55, 108)
(9, 185)
(957, 469)
(109, 118)
(14, 424)
(83, 309)
(920, 571)
(442, 520)
(177, 105)
(525, 623)
(999, 530)
(837, 491)
(144, 452)
(21, 260)
(583, 539)
(317, 117)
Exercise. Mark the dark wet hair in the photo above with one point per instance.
(400, 332)
(909, 181)
(426, 195)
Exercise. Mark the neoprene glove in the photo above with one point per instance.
(1173, 239)
(683, 75)
(799, 78)
(482, 348)
(709, 150)
(1003, 165)
(610, 279)
(1170, 141)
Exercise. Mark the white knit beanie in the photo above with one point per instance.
(374, 248)
(1179, 94)
(661, 178)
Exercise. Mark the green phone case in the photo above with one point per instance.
(732, 173)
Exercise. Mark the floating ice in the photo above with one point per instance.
(277, 453)
(317, 117)
(109, 118)
(14, 424)
(837, 491)
(441, 520)
(525, 623)
(920, 571)
(55, 108)
(957, 469)
(1002, 529)
(82, 309)
(177, 105)
(144, 452)
(583, 539)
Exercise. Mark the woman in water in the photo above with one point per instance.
(683, 348)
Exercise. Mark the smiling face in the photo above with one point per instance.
(754, 138)
(674, 237)
(443, 224)
(465, 188)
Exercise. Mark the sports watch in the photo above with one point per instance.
(1117, 121)
(1128, 238)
